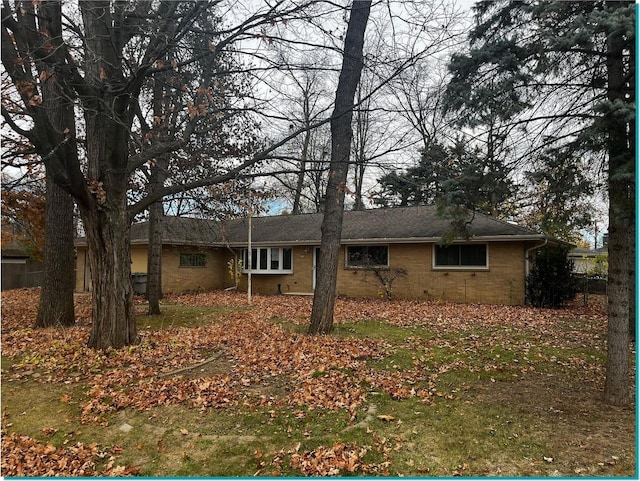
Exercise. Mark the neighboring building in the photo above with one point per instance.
(592, 262)
(490, 267)
(18, 270)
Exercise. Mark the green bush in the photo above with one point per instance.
(550, 283)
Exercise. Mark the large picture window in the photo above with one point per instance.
(268, 260)
(461, 255)
(367, 256)
(193, 260)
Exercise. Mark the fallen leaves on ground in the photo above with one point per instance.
(339, 459)
(317, 372)
(24, 456)
(322, 371)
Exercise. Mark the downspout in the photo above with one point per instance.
(527, 263)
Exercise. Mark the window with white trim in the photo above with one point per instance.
(268, 260)
(463, 256)
(367, 256)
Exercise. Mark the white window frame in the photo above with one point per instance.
(269, 256)
(366, 266)
(460, 268)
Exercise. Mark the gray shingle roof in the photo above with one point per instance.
(404, 224)
(580, 252)
(182, 230)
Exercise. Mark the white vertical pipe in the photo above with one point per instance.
(249, 253)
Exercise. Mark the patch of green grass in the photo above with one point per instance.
(182, 316)
(453, 437)
(289, 326)
(35, 409)
(377, 329)
(401, 359)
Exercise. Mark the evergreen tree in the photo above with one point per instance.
(455, 178)
(550, 284)
(419, 184)
(560, 187)
(575, 62)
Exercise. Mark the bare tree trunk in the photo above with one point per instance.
(107, 224)
(154, 258)
(56, 294)
(631, 89)
(617, 369)
(341, 135)
(631, 269)
(621, 235)
(360, 161)
(156, 210)
(301, 172)
(112, 321)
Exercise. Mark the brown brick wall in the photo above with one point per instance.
(177, 279)
(502, 283)
(139, 258)
(174, 278)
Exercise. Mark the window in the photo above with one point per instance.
(268, 260)
(367, 256)
(461, 255)
(193, 260)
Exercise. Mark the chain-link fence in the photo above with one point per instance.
(586, 285)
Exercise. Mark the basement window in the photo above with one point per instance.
(461, 256)
(268, 260)
(193, 260)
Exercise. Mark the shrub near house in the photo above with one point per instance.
(550, 282)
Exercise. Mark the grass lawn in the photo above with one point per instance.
(219, 388)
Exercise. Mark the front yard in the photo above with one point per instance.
(219, 388)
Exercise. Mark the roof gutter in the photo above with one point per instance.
(390, 240)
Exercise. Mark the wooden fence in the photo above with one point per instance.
(17, 275)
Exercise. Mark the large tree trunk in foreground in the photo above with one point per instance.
(107, 225)
(56, 294)
(621, 224)
(113, 321)
(341, 135)
(108, 114)
(631, 83)
(617, 369)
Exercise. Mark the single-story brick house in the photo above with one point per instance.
(490, 267)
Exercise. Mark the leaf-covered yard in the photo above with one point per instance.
(219, 388)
